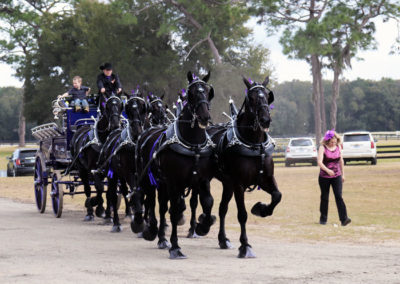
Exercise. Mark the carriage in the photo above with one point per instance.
(53, 161)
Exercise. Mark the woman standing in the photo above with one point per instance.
(330, 161)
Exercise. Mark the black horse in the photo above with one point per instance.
(156, 111)
(117, 158)
(178, 157)
(85, 148)
(244, 152)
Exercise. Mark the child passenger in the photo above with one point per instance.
(78, 93)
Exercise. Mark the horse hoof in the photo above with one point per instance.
(137, 227)
(201, 229)
(100, 212)
(87, 203)
(116, 229)
(150, 234)
(163, 244)
(192, 234)
(182, 220)
(226, 244)
(176, 254)
(211, 221)
(88, 218)
(140, 235)
(246, 252)
(261, 209)
(108, 221)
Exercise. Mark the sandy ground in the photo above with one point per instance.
(38, 248)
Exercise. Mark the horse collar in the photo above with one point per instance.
(174, 136)
(237, 139)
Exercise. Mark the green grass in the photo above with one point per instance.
(4, 153)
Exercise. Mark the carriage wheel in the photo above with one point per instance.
(40, 183)
(57, 194)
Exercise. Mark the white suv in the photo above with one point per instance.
(359, 146)
(301, 150)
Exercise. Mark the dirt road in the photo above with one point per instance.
(39, 248)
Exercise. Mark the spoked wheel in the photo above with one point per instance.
(40, 182)
(57, 194)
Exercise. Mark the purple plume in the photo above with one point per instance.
(271, 106)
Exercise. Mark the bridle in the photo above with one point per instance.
(135, 106)
(115, 101)
(151, 110)
(261, 103)
(203, 100)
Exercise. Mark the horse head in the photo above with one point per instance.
(156, 109)
(199, 94)
(136, 109)
(113, 110)
(258, 99)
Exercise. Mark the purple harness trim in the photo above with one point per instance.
(152, 179)
(110, 173)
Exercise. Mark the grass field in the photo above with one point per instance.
(371, 193)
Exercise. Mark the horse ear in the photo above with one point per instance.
(211, 94)
(207, 77)
(266, 81)
(162, 96)
(246, 82)
(271, 97)
(189, 76)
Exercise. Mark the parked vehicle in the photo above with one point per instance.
(359, 146)
(301, 150)
(22, 162)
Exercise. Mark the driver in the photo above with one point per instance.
(108, 83)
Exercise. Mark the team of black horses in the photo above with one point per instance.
(156, 155)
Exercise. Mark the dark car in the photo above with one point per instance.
(22, 162)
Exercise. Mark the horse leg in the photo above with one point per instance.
(264, 210)
(193, 206)
(163, 208)
(98, 200)
(206, 220)
(137, 223)
(227, 194)
(150, 232)
(175, 214)
(124, 191)
(245, 250)
(86, 185)
(112, 196)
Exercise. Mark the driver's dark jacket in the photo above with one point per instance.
(110, 83)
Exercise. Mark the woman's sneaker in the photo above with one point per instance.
(346, 222)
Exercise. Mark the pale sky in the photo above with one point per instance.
(376, 64)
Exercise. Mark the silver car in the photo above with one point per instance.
(301, 150)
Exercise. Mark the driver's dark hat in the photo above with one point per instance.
(106, 66)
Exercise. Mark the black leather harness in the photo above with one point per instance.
(231, 143)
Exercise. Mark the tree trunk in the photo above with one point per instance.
(335, 96)
(21, 125)
(322, 97)
(316, 97)
(214, 51)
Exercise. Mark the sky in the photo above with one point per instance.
(376, 64)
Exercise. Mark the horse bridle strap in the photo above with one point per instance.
(258, 86)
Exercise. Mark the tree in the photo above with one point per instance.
(300, 39)
(347, 28)
(22, 23)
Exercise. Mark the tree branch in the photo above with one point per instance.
(197, 44)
